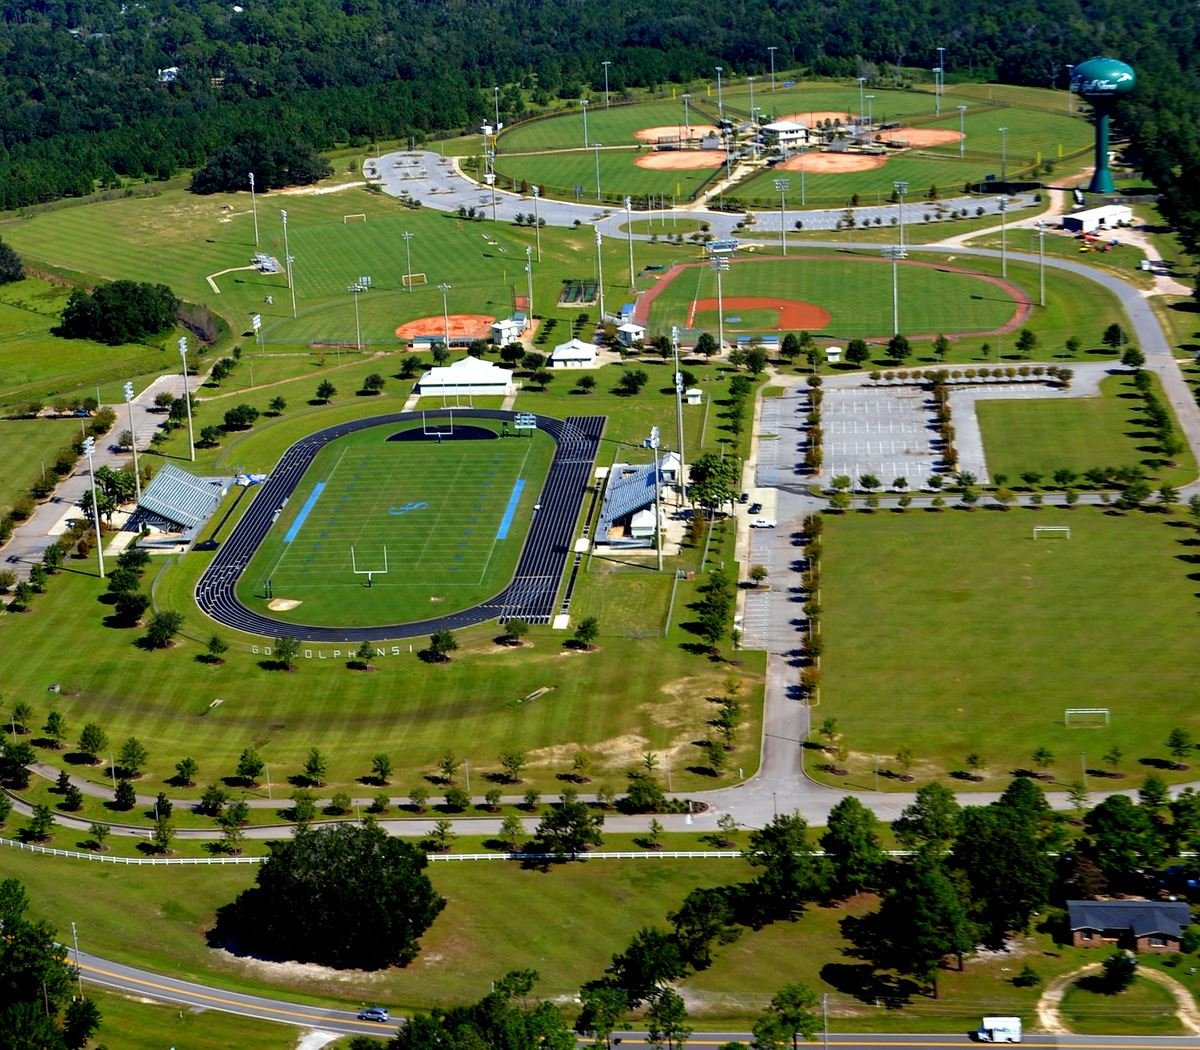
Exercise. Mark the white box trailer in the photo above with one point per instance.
(1000, 1030)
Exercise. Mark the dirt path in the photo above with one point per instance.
(1051, 1022)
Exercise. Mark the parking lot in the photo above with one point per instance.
(887, 432)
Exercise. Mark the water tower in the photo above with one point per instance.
(1102, 81)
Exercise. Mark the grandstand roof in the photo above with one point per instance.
(182, 498)
(630, 489)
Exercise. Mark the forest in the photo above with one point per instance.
(96, 90)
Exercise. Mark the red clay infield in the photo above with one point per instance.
(924, 136)
(462, 326)
(673, 132)
(681, 160)
(833, 163)
(793, 314)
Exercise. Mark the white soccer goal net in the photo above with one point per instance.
(1052, 532)
(357, 217)
(1086, 717)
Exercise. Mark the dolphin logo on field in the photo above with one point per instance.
(407, 507)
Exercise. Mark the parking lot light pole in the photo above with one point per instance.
(254, 209)
(1003, 237)
(583, 102)
(687, 120)
(1041, 228)
(187, 397)
(870, 114)
(408, 255)
(89, 445)
(444, 288)
(901, 189)
(597, 146)
(895, 252)
(529, 279)
(600, 272)
(1004, 155)
(782, 186)
(137, 477)
(537, 226)
(720, 100)
(962, 130)
(606, 64)
(720, 264)
(629, 231)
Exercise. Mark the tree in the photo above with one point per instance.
(515, 628)
(440, 353)
(381, 768)
(542, 377)
(569, 828)
(163, 835)
(714, 480)
(585, 384)
(132, 757)
(1112, 758)
(898, 348)
(1120, 968)
(92, 742)
(162, 628)
(14, 763)
(99, 832)
(789, 874)
(124, 797)
(130, 606)
(1123, 838)
(304, 807)
(651, 961)
(631, 382)
(1133, 358)
(250, 766)
(20, 716)
(706, 345)
(1027, 342)
(240, 417)
(586, 632)
(442, 835)
(441, 644)
(1114, 336)
(326, 391)
(346, 896)
(374, 383)
(277, 406)
(666, 1020)
(212, 800)
(55, 729)
(36, 1009)
(852, 847)
(1043, 759)
(707, 915)
(1154, 793)
(513, 763)
(11, 267)
(216, 649)
(287, 648)
(857, 352)
(601, 1010)
(756, 360)
(315, 768)
(791, 1016)
(930, 823)
(185, 771)
(1179, 744)
(448, 767)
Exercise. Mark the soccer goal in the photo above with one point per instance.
(410, 279)
(358, 217)
(1052, 532)
(1086, 717)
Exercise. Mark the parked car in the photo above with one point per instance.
(755, 508)
(373, 1013)
(763, 523)
(744, 497)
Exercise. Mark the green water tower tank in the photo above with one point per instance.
(1102, 81)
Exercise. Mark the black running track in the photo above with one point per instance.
(531, 592)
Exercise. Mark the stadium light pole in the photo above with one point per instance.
(937, 91)
(597, 147)
(687, 120)
(606, 64)
(1003, 237)
(720, 264)
(895, 252)
(354, 289)
(254, 208)
(583, 102)
(187, 397)
(720, 99)
(529, 281)
(750, 81)
(1041, 228)
(679, 413)
(861, 110)
(901, 189)
(537, 226)
(600, 272)
(629, 231)
(444, 288)
(408, 255)
(655, 442)
(782, 186)
(1070, 101)
(288, 261)
(137, 477)
(1004, 155)
(870, 115)
(496, 96)
(941, 77)
(962, 130)
(89, 445)
(803, 147)
(771, 51)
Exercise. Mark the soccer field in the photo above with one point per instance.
(447, 518)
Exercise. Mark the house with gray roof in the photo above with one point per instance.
(1142, 926)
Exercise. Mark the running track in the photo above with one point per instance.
(531, 592)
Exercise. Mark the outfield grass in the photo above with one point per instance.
(920, 646)
(29, 446)
(451, 517)
(856, 290)
(1078, 434)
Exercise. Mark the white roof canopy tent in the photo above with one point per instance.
(471, 375)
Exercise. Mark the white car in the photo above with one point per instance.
(763, 523)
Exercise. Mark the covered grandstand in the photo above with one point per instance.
(175, 507)
(627, 515)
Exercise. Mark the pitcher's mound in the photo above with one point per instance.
(282, 604)
(834, 163)
(681, 160)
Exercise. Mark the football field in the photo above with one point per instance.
(392, 526)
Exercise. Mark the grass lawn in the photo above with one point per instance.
(28, 444)
(1077, 433)
(451, 517)
(956, 632)
(1144, 1008)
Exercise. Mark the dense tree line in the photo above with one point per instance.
(275, 163)
(120, 312)
(84, 101)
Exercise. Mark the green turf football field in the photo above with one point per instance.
(451, 516)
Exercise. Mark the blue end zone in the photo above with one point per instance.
(510, 510)
(309, 503)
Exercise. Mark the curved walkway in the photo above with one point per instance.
(1050, 1019)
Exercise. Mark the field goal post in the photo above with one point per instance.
(408, 280)
(1086, 717)
(1061, 532)
(436, 430)
(370, 574)
(356, 217)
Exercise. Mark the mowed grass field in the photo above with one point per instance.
(449, 517)
(957, 632)
(856, 290)
(26, 444)
(1078, 434)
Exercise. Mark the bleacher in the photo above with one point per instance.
(176, 504)
(630, 489)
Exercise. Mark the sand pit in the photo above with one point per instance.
(681, 159)
(672, 132)
(833, 163)
(793, 314)
(924, 136)
(810, 119)
(462, 326)
(282, 604)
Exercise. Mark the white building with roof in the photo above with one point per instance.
(574, 353)
(507, 330)
(471, 375)
(630, 333)
(786, 132)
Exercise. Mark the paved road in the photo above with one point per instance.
(144, 984)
